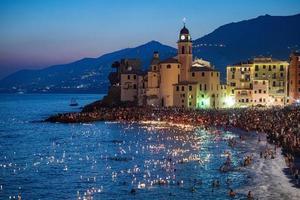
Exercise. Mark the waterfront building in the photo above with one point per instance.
(294, 78)
(178, 81)
(182, 81)
(260, 81)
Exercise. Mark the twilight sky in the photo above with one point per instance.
(39, 33)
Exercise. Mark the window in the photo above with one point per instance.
(128, 77)
(193, 74)
(182, 101)
(274, 66)
(202, 95)
(178, 66)
(281, 68)
(232, 84)
(270, 67)
(232, 76)
(274, 83)
(259, 91)
(211, 74)
(256, 75)
(218, 74)
(204, 87)
(134, 77)
(154, 68)
(190, 103)
(264, 66)
(182, 88)
(182, 50)
(281, 75)
(203, 74)
(134, 86)
(274, 75)
(200, 87)
(169, 66)
(255, 91)
(265, 91)
(190, 88)
(177, 88)
(264, 83)
(256, 67)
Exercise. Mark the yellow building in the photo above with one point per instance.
(270, 77)
(169, 75)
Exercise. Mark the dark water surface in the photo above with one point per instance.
(108, 160)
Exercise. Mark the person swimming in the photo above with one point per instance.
(250, 196)
(232, 193)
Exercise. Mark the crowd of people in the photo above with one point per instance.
(282, 125)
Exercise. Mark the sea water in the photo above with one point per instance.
(106, 160)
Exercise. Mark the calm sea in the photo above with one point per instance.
(107, 160)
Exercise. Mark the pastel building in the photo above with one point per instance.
(260, 81)
(179, 81)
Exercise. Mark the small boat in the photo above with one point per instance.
(73, 102)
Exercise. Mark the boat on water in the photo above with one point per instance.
(73, 102)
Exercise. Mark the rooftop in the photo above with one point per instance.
(201, 69)
(169, 60)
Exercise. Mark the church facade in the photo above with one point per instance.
(178, 81)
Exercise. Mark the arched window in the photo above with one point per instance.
(182, 50)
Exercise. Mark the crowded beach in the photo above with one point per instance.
(281, 125)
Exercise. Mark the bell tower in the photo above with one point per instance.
(185, 55)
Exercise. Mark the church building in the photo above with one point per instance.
(178, 81)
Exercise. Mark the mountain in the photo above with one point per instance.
(85, 75)
(267, 35)
(228, 44)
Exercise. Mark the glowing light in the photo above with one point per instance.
(229, 101)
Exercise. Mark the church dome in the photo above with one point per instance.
(184, 30)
